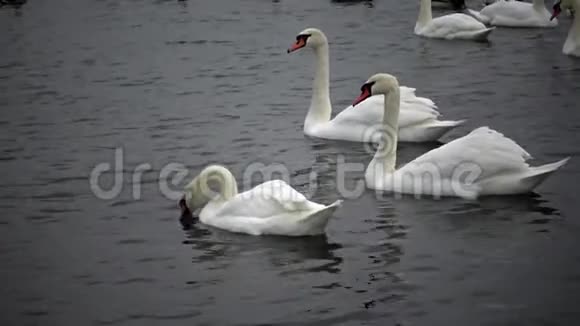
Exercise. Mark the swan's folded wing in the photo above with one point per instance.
(407, 92)
(271, 198)
(515, 10)
(453, 23)
(483, 151)
(411, 114)
(370, 113)
(408, 96)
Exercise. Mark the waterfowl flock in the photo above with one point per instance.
(387, 113)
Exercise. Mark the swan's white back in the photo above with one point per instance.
(449, 27)
(516, 14)
(417, 123)
(273, 207)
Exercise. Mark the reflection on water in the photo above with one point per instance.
(522, 204)
(202, 237)
(367, 3)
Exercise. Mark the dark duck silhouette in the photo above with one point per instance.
(12, 3)
(186, 219)
(453, 4)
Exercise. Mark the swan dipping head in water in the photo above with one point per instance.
(273, 207)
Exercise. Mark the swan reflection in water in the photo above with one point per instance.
(216, 244)
(495, 216)
(367, 3)
(296, 258)
(518, 205)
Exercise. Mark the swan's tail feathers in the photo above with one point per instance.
(448, 123)
(421, 101)
(316, 223)
(407, 91)
(538, 174)
(483, 34)
(408, 95)
(477, 15)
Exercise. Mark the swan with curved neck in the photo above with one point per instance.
(419, 117)
(516, 14)
(272, 207)
(572, 44)
(454, 26)
(484, 162)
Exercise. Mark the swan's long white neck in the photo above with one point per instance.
(320, 107)
(573, 38)
(425, 14)
(200, 193)
(386, 156)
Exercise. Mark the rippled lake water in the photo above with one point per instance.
(203, 82)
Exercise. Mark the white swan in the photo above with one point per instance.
(572, 44)
(483, 162)
(418, 120)
(516, 14)
(449, 27)
(273, 207)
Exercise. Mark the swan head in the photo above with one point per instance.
(376, 85)
(214, 182)
(559, 5)
(186, 217)
(309, 38)
(194, 197)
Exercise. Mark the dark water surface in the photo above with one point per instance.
(203, 82)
